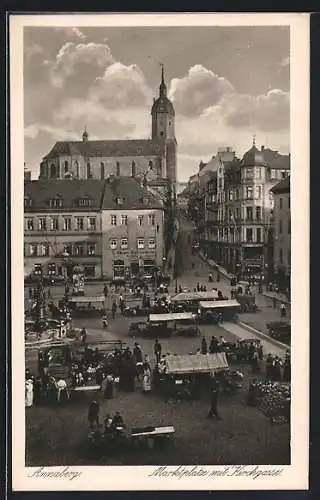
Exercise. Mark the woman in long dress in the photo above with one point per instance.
(29, 393)
(146, 383)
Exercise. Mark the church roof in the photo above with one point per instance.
(108, 148)
(163, 105)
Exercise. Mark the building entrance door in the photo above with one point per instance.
(134, 267)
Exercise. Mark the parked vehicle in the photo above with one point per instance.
(280, 330)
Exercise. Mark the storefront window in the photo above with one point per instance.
(118, 268)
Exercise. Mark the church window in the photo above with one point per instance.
(53, 171)
(89, 173)
(77, 174)
(102, 173)
(133, 169)
(66, 167)
(150, 165)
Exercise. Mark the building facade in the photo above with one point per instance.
(155, 158)
(132, 230)
(282, 233)
(110, 228)
(235, 207)
(62, 226)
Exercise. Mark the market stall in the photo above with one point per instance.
(185, 376)
(218, 310)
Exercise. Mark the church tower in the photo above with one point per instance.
(163, 128)
(163, 114)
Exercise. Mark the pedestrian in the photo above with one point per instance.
(93, 414)
(83, 335)
(274, 301)
(30, 291)
(214, 401)
(157, 350)
(105, 290)
(283, 311)
(204, 347)
(113, 309)
(198, 287)
(213, 347)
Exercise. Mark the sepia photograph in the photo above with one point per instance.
(157, 165)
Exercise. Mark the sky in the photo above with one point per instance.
(226, 83)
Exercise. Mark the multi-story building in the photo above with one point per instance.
(236, 206)
(132, 229)
(62, 226)
(154, 158)
(282, 233)
(110, 228)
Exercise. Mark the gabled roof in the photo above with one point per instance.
(282, 187)
(132, 194)
(70, 191)
(108, 148)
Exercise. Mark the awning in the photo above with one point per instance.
(185, 296)
(84, 299)
(171, 317)
(217, 304)
(196, 363)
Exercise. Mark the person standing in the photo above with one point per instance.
(83, 336)
(214, 401)
(105, 290)
(283, 310)
(29, 393)
(204, 347)
(213, 347)
(157, 350)
(113, 309)
(93, 414)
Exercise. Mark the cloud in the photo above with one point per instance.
(31, 50)
(72, 32)
(121, 87)
(199, 89)
(57, 134)
(72, 57)
(266, 112)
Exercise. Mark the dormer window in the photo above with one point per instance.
(56, 203)
(145, 201)
(120, 200)
(27, 202)
(85, 202)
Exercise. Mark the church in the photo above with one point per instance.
(153, 161)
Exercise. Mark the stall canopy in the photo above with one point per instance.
(171, 317)
(88, 299)
(196, 363)
(218, 304)
(184, 297)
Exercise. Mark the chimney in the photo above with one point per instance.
(262, 148)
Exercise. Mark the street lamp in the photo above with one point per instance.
(66, 280)
(163, 264)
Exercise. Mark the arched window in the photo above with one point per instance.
(77, 169)
(66, 167)
(102, 173)
(53, 171)
(159, 169)
(133, 169)
(89, 173)
(118, 169)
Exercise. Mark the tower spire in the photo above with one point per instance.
(163, 87)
